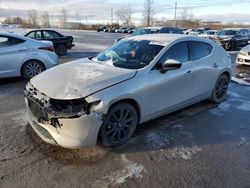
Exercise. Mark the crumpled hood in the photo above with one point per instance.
(79, 79)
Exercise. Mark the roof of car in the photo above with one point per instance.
(42, 30)
(13, 35)
(232, 29)
(163, 38)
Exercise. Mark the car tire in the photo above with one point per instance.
(119, 125)
(220, 89)
(31, 68)
(61, 50)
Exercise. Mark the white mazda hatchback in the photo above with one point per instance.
(138, 79)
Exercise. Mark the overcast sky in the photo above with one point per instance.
(216, 10)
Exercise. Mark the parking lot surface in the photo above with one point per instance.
(204, 145)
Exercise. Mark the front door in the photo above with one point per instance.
(173, 88)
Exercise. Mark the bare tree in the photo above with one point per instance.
(186, 14)
(45, 19)
(125, 15)
(63, 18)
(33, 18)
(148, 12)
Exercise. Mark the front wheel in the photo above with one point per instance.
(220, 89)
(119, 125)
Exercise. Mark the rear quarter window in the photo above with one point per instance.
(6, 41)
(199, 50)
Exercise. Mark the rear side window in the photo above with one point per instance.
(6, 41)
(50, 34)
(177, 52)
(38, 35)
(199, 50)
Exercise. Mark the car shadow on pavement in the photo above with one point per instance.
(12, 80)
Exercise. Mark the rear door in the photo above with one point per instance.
(205, 67)
(12, 52)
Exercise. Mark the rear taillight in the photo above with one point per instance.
(48, 48)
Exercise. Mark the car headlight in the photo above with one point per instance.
(242, 52)
(226, 39)
(69, 106)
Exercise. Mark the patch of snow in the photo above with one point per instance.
(219, 111)
(130, 170)
(224, 106)
(230, 132)
(233, 94)
(157, 139)
(186, 153)
(188, 134)
(216, 112)
(244, 106)
(20, 120)
(243, 141)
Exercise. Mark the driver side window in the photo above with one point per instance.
(177, 52)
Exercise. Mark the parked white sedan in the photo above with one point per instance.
(243, 57)
(134, 81)
(21, 56)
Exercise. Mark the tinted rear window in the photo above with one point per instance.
(199, 50)
(6, 41)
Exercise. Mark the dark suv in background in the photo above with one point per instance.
(232, 38)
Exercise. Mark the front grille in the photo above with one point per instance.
(246, 60)
(35, 108)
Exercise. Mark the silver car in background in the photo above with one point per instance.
(21, 56)
(138, 79)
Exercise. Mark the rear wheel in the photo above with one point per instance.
(220, 89)
(31, 68)
(119, 125)
(61, 50)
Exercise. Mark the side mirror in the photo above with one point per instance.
(170, 64)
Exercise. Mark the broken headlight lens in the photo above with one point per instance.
(69, 106)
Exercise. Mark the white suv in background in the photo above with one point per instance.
(21, 56)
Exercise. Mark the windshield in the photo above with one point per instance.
(141, 32)
(227, 32)
(210, 32)
(130, 54)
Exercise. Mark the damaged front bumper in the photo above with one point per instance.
(70, 129)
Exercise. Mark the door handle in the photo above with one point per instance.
(189, 72)
(215, 65)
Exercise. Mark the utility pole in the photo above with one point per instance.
(175, 10)
(112, 17)
(52, 20)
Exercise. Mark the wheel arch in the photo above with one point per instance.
(130, 101)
